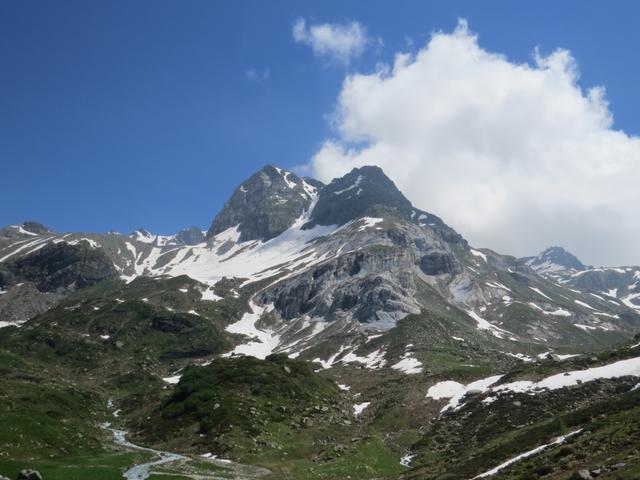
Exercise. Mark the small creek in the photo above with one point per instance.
(143, 470)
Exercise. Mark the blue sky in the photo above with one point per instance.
(115, 115)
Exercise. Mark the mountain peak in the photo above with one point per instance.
(143, 235)
(27, 229)
(190, 236)
(265, 205)
(555, 259)
(358, 193)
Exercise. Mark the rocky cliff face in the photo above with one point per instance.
(190, 236)
(374, 286)
(265, 205)
(555, 259)
(363, 191)
(357, 254)
(60, 267)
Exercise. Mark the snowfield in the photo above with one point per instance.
(456, 391)
(265, 340)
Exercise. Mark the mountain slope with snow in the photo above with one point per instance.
(422, 333)
(341, 262)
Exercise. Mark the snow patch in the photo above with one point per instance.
(408, 365)
(539, 292)
(478, 253)
(557, 441)
(456, 391)
(582, 304)
(483, 324)
(368, 222)
(355, 184)
(172, 380)
(265, 340)
(209, 295)
(358, 408)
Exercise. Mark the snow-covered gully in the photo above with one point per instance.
(557, 441)
(456, 392)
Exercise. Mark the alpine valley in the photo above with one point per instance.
(313, 332)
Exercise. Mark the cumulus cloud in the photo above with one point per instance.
(515, 156)
(341, 42)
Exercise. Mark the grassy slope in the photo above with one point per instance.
(478, 437)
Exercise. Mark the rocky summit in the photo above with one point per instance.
(313, 332)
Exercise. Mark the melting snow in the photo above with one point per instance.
(405, 461)
(358, 408)
(477, 253)
(485, 325)
(558, 441)
(374, 360)
(172, 380)
(368, 222)
(40, 242)
(252, 260)
(539, 292)
(586, 328)
(622, 368)
(456, 391)
(266, 341)
(355, 184)
(92, 243)
(408, 365)
(628, 300)
(559, 312)
(586, 305)
(210, 295)
(143, 236)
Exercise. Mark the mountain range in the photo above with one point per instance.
(314, 331)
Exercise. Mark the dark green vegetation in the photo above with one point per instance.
(246, 393)
(59, 370)
(93, 349)
(480, 436)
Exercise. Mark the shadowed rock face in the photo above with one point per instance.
(190, 236)
(357, 194)
(265, 205)
(61, 267)
(438, 263)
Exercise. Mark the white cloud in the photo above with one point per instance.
(341, 42)
(515, 156)
(257, 76)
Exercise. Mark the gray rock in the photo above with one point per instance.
(357, 194)
(29, 475)
(190, 236)
(264, 206)
(585, 475)
(62, 267)
(438, 263)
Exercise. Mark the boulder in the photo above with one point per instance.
(29, 475)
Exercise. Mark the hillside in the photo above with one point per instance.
(314, 331)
